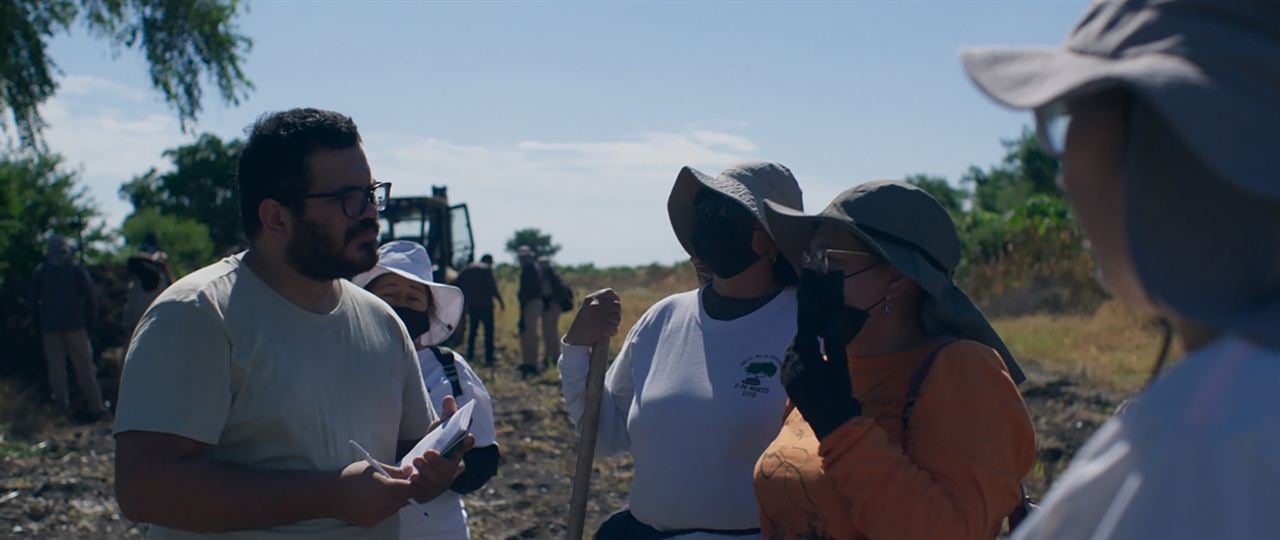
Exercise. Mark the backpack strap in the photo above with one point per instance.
(445, 356)
(917, 380)
(1025, 504)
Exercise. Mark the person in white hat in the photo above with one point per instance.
(694, 394)
(430, 312)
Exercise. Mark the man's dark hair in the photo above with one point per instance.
(273, 162)
(487, 258)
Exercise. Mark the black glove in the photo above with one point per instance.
(820, 387)
(482, 464)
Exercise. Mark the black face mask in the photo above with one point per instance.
(722, 232)
(417, 322)
(822, 312)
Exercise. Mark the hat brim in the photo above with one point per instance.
(447, 303)
(793, 230)
(680, 203)
(953, 312)
(1032, 77)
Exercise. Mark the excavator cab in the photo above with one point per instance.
(444, 229)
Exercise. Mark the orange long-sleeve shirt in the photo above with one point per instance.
(970, 443)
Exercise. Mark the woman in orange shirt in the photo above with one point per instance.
(912, 426)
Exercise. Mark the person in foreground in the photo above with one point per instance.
(905, 417)
(1164, 116)
(246, 379)
(431, 311)
(694, 392)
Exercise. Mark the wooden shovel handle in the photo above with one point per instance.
(589, 427)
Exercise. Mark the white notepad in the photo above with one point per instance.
(443, 436)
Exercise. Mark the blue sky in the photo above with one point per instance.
(575, 117)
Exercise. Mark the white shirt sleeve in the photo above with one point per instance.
(619, 392)
(482, 425)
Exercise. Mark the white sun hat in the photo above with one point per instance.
(410, 260)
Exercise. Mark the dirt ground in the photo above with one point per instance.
(57, 484)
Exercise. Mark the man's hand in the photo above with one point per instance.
(597, 319)
(431, 473)
(367, 497)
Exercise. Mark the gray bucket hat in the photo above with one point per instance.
(1205, 75)
(749, 183)
(907, 227)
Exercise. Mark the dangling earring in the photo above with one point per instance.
(886, 304)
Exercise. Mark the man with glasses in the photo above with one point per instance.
(246, 380)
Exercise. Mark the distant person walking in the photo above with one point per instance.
(531, 308)
(66, 305)
(1164, 116)
(480, 289)
(556, 299)
(149, 275)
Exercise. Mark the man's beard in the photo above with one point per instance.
(312, 254)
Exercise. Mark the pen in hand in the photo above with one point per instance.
(368, 458)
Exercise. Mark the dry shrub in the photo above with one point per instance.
(1114, 346)
(1032, 259)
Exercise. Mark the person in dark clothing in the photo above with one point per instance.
(531, 305)
(65, 305)
(556, 299)
(480, 289)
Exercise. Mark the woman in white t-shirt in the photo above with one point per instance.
(694, 394)
(430, 312)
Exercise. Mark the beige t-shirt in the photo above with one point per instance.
(223, 359)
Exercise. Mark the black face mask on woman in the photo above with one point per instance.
(722, 232)
(821, 311)
(416, 322)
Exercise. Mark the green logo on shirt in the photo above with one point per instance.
(757, 368)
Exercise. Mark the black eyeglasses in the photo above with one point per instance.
(356, 200)
(839, 260)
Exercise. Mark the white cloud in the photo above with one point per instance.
(89, 85)
(99, 127)
(604, 201)
(728, 140)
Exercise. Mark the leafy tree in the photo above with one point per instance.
(184, 240)
(1026, 170)
(38, 197)
(534, 238)
(201, 188)
(182, 40)
(950, 197)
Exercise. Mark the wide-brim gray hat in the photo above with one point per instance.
(749, 183)
(907, 227)
(1201, 147)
